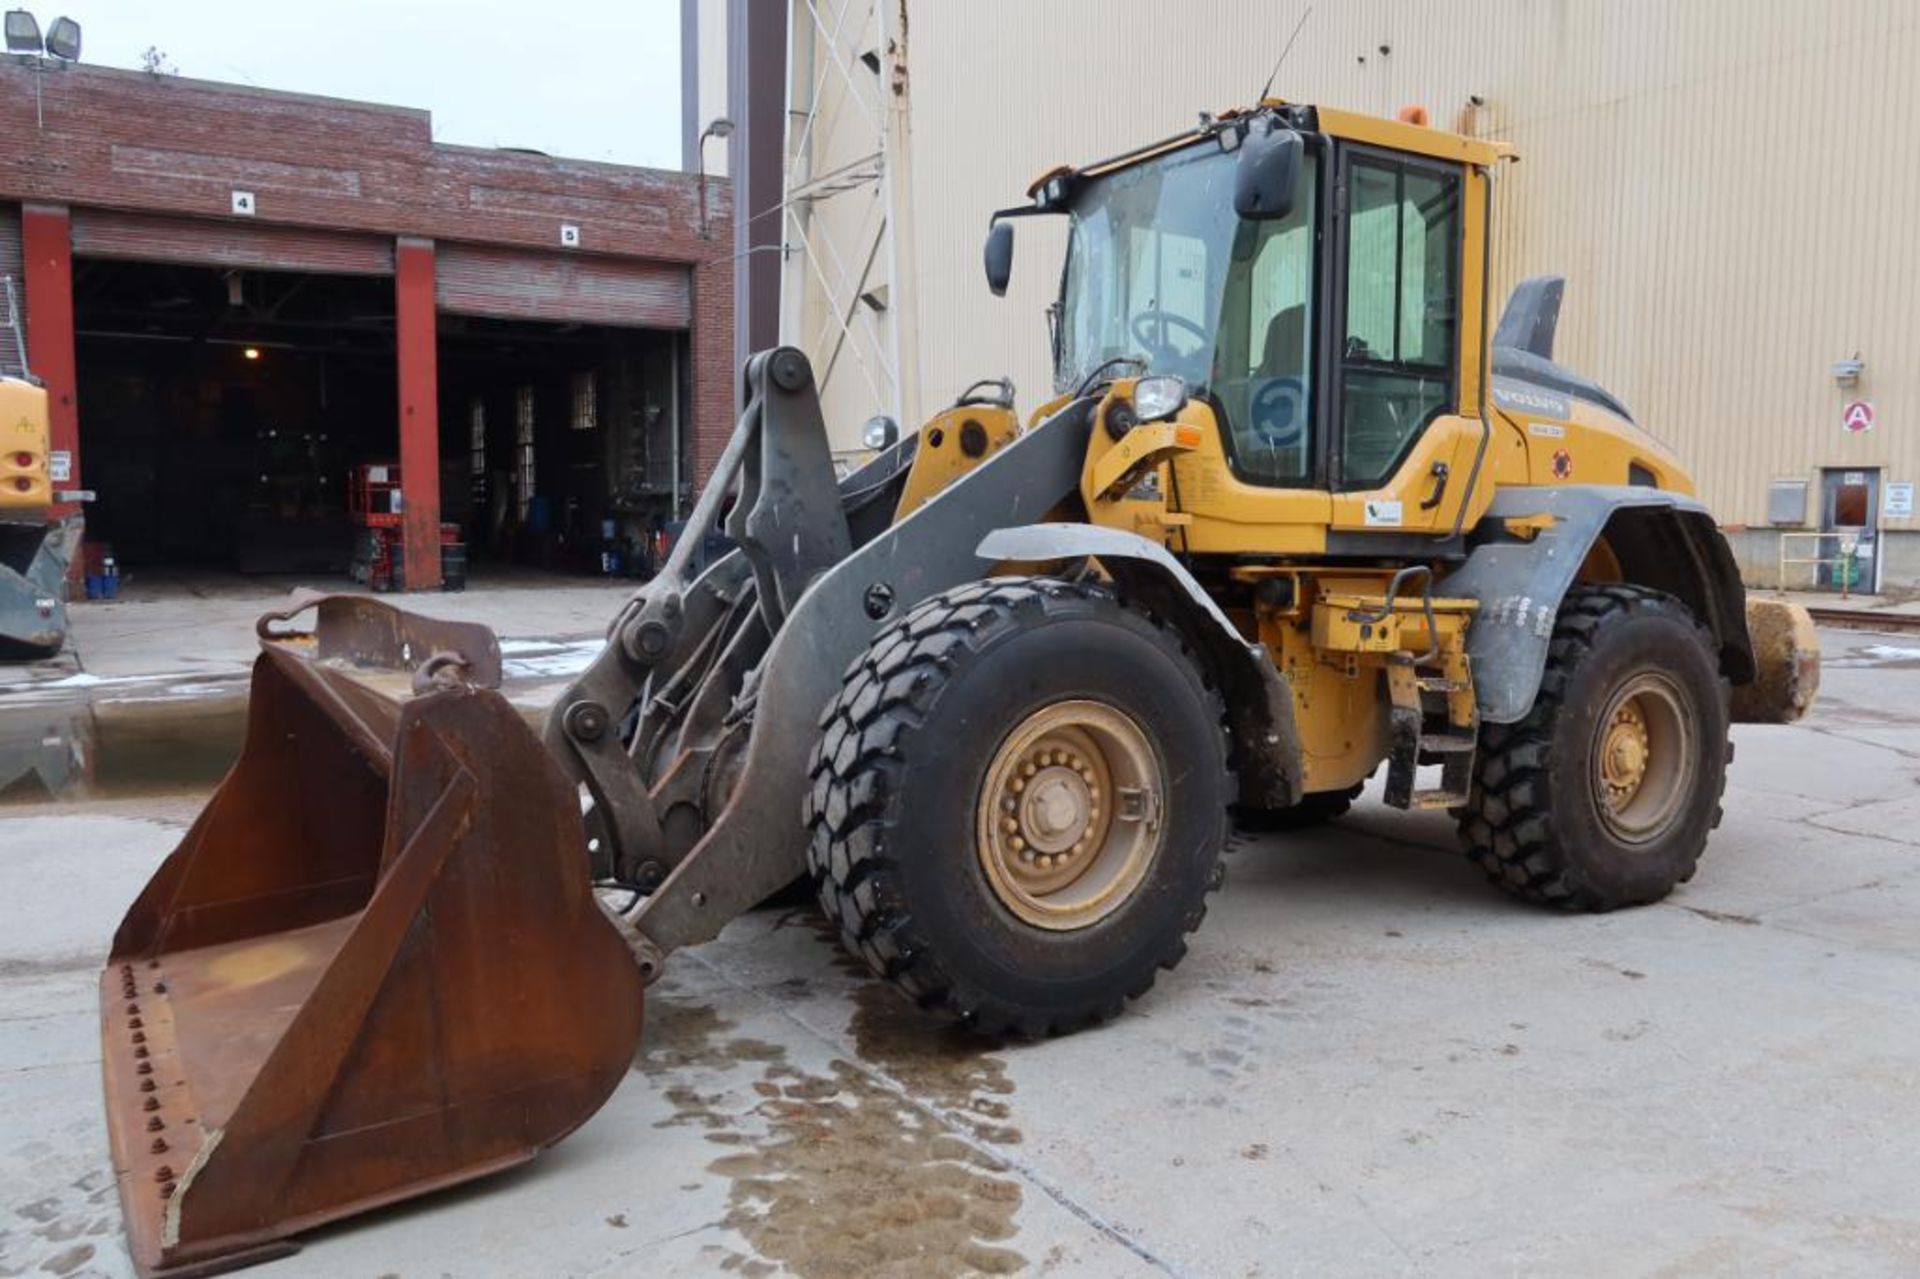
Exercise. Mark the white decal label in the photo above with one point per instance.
(1547, 430)
(1383, 514)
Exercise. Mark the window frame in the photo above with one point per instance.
(1335, 364)
(1318, 304)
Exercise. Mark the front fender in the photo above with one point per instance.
(1259, 704)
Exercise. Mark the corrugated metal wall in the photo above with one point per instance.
(1725, 183)
(104, 233)
(515, 285)
(10, 268)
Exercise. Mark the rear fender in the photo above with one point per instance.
(1665, 541)
(1260, 707)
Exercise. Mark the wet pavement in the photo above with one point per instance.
(73, 735)
(1370, 1061)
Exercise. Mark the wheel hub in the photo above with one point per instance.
(1625, 762)
(1055, 850)
(1644, 761)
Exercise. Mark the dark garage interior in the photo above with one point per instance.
(223, 413)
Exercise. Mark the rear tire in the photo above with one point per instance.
(1603, 796)
(1079, 722)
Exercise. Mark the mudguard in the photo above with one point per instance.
(1666, 541)
(33, 586)
(1260, 705)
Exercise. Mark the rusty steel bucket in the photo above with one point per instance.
(374, 967)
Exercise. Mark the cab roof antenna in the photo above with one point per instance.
(1274, 74)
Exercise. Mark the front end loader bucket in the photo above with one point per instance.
(374, 967)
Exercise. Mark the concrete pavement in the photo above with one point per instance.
(1370, 1061)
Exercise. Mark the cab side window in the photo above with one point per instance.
(1397, 358)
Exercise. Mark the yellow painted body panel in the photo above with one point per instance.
(1350, 654)
(25, 479)
(952, 443)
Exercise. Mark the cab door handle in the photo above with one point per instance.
(1440, 472)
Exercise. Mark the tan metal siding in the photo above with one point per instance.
(517, 285)
(99, 233)
(1726, 185)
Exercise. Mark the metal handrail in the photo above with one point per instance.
(13, 322)
(1849, 556)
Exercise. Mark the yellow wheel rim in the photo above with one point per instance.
(1069, 817)
(1643, 759)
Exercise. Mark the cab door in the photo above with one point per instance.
(1404, 438)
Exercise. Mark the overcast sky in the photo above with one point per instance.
(592, 79)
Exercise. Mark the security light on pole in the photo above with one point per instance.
(55, 52)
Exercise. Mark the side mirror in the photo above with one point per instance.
(999, 257)
(1265, 174)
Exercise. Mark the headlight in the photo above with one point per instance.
(1160, 397)
(879, 433)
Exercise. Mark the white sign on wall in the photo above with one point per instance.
(1897, 502)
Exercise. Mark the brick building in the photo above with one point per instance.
(237, 296)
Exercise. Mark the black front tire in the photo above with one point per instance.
(903, 763)
(1535, 821)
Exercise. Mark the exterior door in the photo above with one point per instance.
(1850, 511)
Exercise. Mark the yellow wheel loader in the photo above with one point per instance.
(35, 547)
(1296, 512)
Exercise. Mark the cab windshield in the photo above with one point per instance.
(1160, 268)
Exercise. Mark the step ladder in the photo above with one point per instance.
(1433, 718)
(1418, 736)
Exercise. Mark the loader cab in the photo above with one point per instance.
(1325, 342)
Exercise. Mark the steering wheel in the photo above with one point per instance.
(1150, 330)
(1277, 412)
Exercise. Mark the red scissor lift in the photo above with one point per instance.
(379, 557)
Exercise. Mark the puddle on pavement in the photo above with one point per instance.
(59, 745)
(835, 1174)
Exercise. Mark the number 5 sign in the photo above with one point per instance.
(1857, 417)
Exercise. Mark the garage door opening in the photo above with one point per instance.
(222, 410)
(562, 445)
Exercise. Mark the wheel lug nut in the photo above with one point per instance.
(1018, 843)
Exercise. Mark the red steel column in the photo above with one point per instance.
(46, 244)
(413, 319)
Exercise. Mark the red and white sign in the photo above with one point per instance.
(1857, 417)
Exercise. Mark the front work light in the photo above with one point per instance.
(1155, 398)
